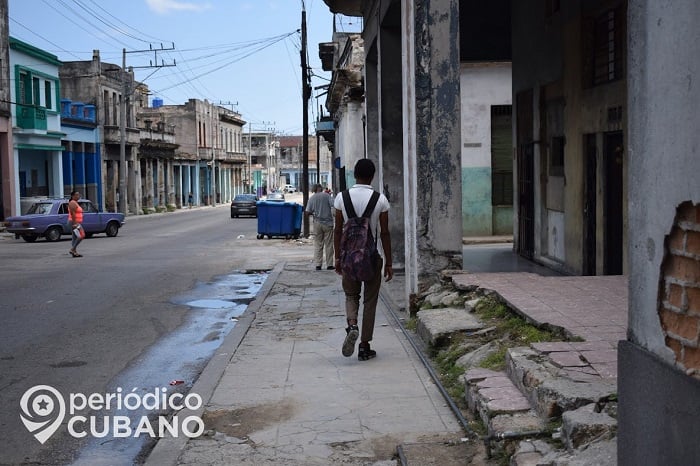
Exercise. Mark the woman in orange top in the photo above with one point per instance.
(75, 214)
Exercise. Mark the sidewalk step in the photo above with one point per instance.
(436, 325)
(440, 452)
(553, 388)
(497, 401)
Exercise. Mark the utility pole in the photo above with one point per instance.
(306, 91)
(126, 93)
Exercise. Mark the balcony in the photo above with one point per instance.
(31, 117)
(112, 135)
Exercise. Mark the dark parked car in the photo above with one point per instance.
(49, 218)
(244, 204)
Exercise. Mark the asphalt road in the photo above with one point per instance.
(75, 324)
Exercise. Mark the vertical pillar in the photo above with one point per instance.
(92, 176)
(434, 43)
(390, 175)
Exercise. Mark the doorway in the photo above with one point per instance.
(526, 175)
(589, 204)
(613, 209)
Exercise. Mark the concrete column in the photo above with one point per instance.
(390, 164)
(371, 124)
(658, 364)
(55, 174)
(436, 159)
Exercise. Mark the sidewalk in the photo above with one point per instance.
(279, 391)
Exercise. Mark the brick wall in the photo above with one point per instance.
(679, 309)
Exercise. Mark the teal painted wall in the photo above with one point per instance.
(502, 220)
(476, 201)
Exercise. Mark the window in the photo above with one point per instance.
(555, 136)
(556, 156)
(501, 158)
(23, 80)
(607, 58)
(105, 106)
(47, 94)
(604, 47)
(35, 92)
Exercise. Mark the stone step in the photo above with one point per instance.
(436, 325)
(556, 382)
(439, 452)
(493, 397)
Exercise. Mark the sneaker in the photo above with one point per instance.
(318, 267)
(330, 267)
(364, 352)
(349, 344)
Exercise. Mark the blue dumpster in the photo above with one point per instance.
(279, 219)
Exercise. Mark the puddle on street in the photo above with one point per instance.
(177, 357)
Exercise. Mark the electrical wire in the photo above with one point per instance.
(43, 38)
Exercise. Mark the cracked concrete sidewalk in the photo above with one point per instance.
(279, 390)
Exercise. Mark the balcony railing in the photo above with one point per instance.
(31, 117)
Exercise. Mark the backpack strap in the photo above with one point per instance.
(371, 205)
(350, 209)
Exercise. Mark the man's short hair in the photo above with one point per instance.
(317, 187)
(364, 169)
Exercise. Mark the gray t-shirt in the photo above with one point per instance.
(320, 205)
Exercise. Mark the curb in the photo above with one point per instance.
(168, 449)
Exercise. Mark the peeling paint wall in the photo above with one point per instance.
(661, 354)
(549, 56)
(482, 85)
(438, 155)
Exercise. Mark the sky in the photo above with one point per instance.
(241, 54)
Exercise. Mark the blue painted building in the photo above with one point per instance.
(81, 151)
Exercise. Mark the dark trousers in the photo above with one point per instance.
(352, 290)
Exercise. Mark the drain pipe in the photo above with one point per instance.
(455, 409)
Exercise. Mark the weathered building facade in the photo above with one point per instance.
(7, 160)
(487, 154)
(36, 122)
(102, 85)
(569, 88)
(659, 363)
(345, 57)
(412, 57)
(605, 173)
(81, 156)
(291, 160)
(207, 158)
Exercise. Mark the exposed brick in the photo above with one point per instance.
(693, 297)
(692, 245)
(691, 358)
(676, 240)
(682, 325)
(688, 212)
(674, 295)
(675, 346)
(685, 269)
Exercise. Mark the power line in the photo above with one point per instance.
(43, 38)
(105, 22)
(125, 24)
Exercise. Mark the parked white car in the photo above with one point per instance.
(289, 188)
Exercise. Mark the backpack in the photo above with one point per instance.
(358, 249)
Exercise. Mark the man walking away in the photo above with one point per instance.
(320, 205)
(360, 196)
